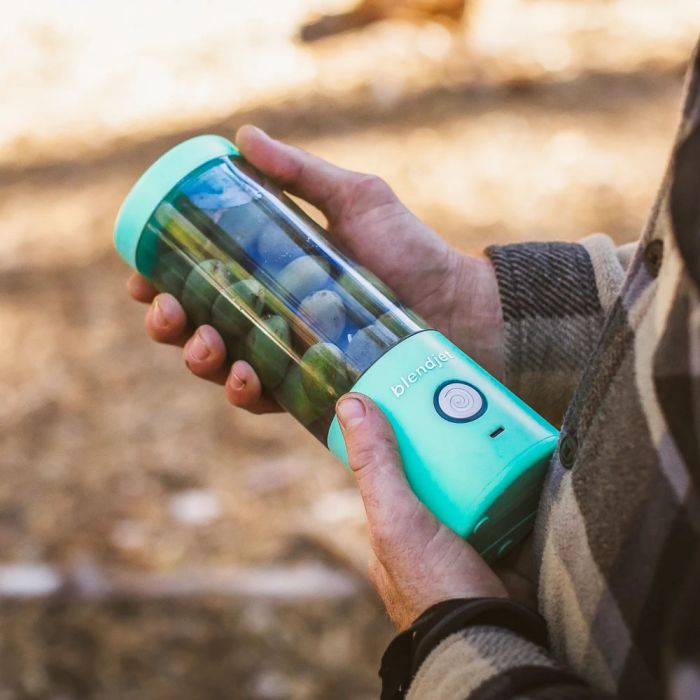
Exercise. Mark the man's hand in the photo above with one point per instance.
(455, 293)
(416, 561)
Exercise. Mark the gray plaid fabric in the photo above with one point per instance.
(609, 341)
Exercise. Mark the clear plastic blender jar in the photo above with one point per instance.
(203, 225)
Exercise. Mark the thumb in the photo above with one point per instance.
(375, 461)
(319, 182)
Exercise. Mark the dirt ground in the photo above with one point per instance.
(113, 461)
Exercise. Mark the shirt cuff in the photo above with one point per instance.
(553, 316)
(411, 648)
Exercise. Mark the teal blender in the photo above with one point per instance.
(205, 226)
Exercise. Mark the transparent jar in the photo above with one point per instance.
(202, 224)
(243, 257)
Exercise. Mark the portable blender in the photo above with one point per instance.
(204, 225)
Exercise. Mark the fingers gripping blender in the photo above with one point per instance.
(205, 226)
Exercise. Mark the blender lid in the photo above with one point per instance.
(155, 184)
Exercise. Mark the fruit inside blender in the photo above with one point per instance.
(242, 257)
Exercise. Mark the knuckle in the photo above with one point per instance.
(365, 192)
(294, 169)
(363, 458)
(381, 450)
(297, 169)
(372, 186)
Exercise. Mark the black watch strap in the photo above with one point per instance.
(408, 650)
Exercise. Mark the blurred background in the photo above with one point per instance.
(154, 542)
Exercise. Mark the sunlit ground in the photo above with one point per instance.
(533, 120)
(87, 72)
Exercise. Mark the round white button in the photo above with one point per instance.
(459, 402)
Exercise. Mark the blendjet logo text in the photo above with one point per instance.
(431, 362)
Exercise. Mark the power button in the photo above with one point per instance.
(459, 402)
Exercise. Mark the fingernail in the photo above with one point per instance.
(165, 307)
(236, 382)
(351, 412)
(161, 318)
(199, 348)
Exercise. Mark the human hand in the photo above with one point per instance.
(416, 561)
(457, 294)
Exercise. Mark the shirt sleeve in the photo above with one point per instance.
(492, 663)
(486, 649)
(555, 297)
(477, 649)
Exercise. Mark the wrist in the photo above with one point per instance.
(476, 319)
(408, 650)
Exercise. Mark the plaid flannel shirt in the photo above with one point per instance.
(610, 340)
